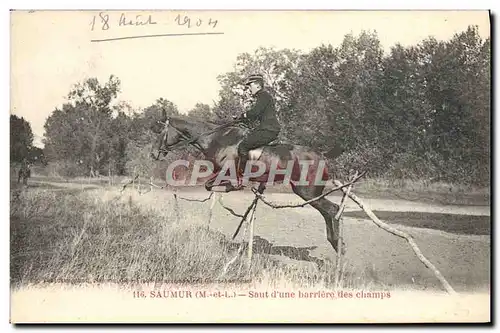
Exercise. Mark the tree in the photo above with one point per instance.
(457, 75)
(21, 138)
(94, 95)
(143, 131)
(229, 105)
(118, 141)
(273, 64)
(304, 112)
(144, 123)
(334, 96)
(420, 111)
(80, 131)
(37, 156)
(201, 111)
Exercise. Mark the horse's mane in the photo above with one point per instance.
(204, 124)
(229, 134)
(200, 124)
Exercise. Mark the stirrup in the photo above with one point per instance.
(231, 187)
(239, 171)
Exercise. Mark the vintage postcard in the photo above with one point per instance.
(181, 166)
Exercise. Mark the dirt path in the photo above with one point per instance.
(373, 254)
(383, 204)
(374, 204)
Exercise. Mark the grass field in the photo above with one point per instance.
(90, 232)
(75, 236)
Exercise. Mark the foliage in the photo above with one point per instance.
(201, 111)
(21, 139)
(418, 112)
(80, 132)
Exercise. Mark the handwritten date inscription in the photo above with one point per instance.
(103, 21)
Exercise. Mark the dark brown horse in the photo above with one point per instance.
(219, 146)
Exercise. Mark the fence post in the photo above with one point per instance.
(340, 246)
(176, 206)
(210, 213)
(133, 181)
(250, 237)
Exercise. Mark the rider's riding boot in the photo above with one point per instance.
(240, 171)
(242, 161)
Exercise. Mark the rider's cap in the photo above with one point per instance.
(254, 78)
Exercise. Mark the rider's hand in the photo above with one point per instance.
(240, 117)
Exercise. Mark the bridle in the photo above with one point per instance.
(186, 140)
(164, 148)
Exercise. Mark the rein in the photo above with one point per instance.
(187, 140)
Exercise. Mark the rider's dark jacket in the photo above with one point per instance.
(263, 113)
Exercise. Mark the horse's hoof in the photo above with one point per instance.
(231, 188)
(344, 248)
(218, 189)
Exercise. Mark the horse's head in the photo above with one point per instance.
(175, 132)
(167, 136)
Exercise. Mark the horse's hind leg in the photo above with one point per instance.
(327, 208)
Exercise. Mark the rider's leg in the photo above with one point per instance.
(255, 139)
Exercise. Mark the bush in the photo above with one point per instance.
(65, 169)
(366, 157)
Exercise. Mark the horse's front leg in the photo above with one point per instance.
(209, 185)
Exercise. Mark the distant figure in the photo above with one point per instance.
(24, 172)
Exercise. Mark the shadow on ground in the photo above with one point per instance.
(453, 223)
(264, 247)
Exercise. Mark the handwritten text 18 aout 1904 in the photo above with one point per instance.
(105, 21)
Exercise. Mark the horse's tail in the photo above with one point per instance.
(330, 155)
(334, 152)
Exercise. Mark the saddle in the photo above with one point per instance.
(231, 152)
(254, 154)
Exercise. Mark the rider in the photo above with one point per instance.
(261, 119)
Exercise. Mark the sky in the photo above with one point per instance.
(53, 50)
